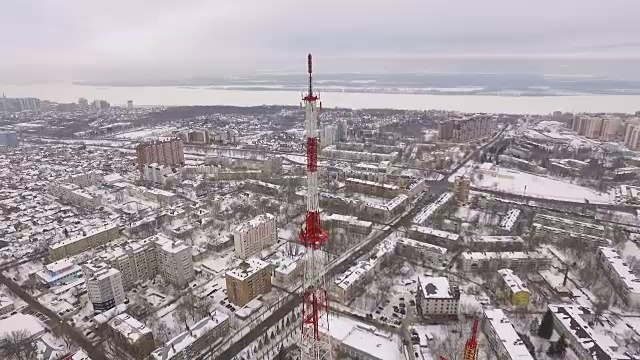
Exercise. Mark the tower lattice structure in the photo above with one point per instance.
(315, 298)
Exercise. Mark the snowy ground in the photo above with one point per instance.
(521, 183)
(146, 133)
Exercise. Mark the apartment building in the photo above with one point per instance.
(492, 261)
(433, 236)
(131, 336)
(255, 235)
(351, 223)
(386, 212)
(159, 174)
(168, 152)
(632, 136)
(573, 321)
(503, 337)
(437, 298)
(86, 179)
(81, 243)
(332, 152)
(174, 261)
(371, 188)
(198, 338)
(561, 229)
(624, 281)
(495, 243)
(74, 195)
(512, 288)
(610, 128)
(422, 218)
(466, 129)
(136, 260)
(104, 285)
(461, 186)
(421, 251)
(250, 279)
(348, 284)
(8, 139)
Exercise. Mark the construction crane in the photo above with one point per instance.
(471, 347)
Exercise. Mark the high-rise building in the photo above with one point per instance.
(632, 136)
(255, 235)
(168, 152)
(594, 129)
(467, 129)
(610, 128)
(174, 261)
(83, 103)
(461, 187)
(130, 104)
(104, 285)
(8, 139)
(250, 279)
(136, 261)
(341, 131)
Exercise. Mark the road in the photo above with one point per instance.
(73, 333)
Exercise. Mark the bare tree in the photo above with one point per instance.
(18, 345)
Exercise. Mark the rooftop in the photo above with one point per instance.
(171, 246)
(436, 288)
(19, 322)
(255, 222)
(128, 326)
(422, 245)
(514, 255)
(428, 211)
(512, 280)
(507, 334)
(352, 275)
(574, 319)
(631, 280)
(435, 232)
(247, 268)
(509, 220)
(81, 237)
(194, 332)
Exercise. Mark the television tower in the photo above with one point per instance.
(315, 298)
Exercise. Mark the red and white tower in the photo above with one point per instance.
(315, 298)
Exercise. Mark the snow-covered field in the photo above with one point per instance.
(521, 183)
(146, 133)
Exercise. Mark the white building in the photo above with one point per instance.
(347, 285)
(104, 285)
(492, 261)
(425, 214)
(350, 223)
(625, 282)
(572, 321)
(434, 236)
(255, 235)
(136, 260)
(6, 304)
(422, 251)
(436, 297)
(387, 211)
(198, 338)
(361, 341)
(74, 195)
(61, 272)
(158, 174)
(174, 261)
(20, 322)
(503, 336)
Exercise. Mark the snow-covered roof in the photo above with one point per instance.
(373, 183)
(428, 211)
(435, 232)
(623, 272)
(60, 265)
(378, 253)
(255, 222)
(19, 322)
(366, 339)
(421, 245)
(390, 205)
(514, 255)
(5, 301)
(81, 237)
(171, 246)
(351, 220)
(512, 280)
(507, 335)
(436, 288)
(129, 327)
(105, 316)
(568, 222)
(574, 319)
(263, 184)
(79, 355)
(194, 332)
(509, 220)
(498, 239)
(247, 268)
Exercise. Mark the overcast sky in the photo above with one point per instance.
(78, 39)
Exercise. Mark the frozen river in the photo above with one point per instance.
(170, 95)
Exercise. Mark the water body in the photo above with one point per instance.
(170, 95)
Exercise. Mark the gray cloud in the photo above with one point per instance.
(73, 39)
